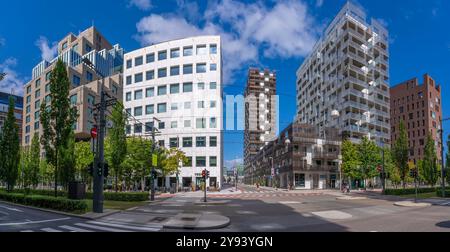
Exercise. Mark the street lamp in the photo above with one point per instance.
(442, 156)
(287, 143)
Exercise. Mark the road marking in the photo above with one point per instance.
(101, 228)
(289, 202)
(125, 226)
(12, 209)
(51, 230)
(75, 229)
(334, 215)
(33, 222)
(445, 204)
(27, 231)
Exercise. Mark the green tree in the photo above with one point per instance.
(10, 149)
(391, 170)
(369, 158)
(83, 158)
(67, 161)
(117, 142)
(429, 163)
(447, 161)
(401, 154)
(57, 121)
(30, 162)
(350, 160)
(173, 162)
(139, 158)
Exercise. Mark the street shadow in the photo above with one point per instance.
(444, 224)
(394, 198)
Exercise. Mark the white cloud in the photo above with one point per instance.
(284, 30)
(141, 4)
(48, 52)
(319, 3)
(12, 81)
(231, 163)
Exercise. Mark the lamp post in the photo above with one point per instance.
(152, 180)
(442, 156)
(287, 143)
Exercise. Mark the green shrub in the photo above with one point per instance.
(409, 191)
(60, 204)
(439, 193)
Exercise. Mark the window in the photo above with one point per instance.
(128, 96)
(201, 50)
(200, 104)
(188, 51)
(200, 162)
(175, 70)
(174, 106)
(213, 161)
(128, 110)
(213, 67)
(162, 108)
(187, 142)
(64, 45)
(161, 143)
(213, 49)
(187, 69)
(162, 90)
(91, 100)
(36, 125)
(149, 109)
(28, 89)
(138, 128)
(187, 105)
(213, 123)
(28, 119)
(27, 129)
(162, 72)
(150, 75)
(201, 86)
(129, 80)
(88, 48)
(47, 76)
(174, 125)
(138, 61)
(36, 115)
(433, 115)
(173, 142)
(150, 58)
(138, 78)
(201, 123)
(175, 53)
(213, 141)
(27, 139)
(148, 126)
(187, 87)
(162, 55)
(37, 104)
(73, 100)
(187, 162)
(89, 76)
(149, 92)
(212, 104)
(162, 125)
(138, 95)
(38, 83)
(48, 99)
(37, 94)
(175, 88)
(201, 68)
(28, 109)
(138, 111)
(187, 123)
(200, 141)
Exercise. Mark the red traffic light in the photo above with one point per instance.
(203, 173)
(94, 133)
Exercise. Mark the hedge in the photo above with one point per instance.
(111, 196)
(439, 193)
(60, 204)
(409, 191)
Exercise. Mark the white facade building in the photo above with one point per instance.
(179, 82)
(344, 83)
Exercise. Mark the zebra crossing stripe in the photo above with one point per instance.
(75, 229)
(51, 230)
(124, 226)
(101, 228)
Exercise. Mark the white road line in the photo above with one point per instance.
(12, 209)
(125, 226)
(33, 222)
(51, 230)
(101, 228)
(75, 229)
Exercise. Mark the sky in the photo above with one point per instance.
(277, 35)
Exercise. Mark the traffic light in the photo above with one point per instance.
(207, 174)
(99, 169)
(204, 174)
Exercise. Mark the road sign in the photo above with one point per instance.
(155, 160)
(94, 133)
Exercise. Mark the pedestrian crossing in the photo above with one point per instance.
(95, 226)
(262, 194)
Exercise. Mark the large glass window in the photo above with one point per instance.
(200, 162)
(201, 123)
(128, 129)
(175, 53)
(138, 128)
(162, 108)
(162, 72)
(138, 61)
(175, 70)
(173, 142)
(138, 111)
(161, 125)
(213, 67)
(212, 104)
(37, 94)
(129, 80)
(149, 109)
(149, 92)
(128, 96)
(201, 50)
(150, 75)
(213, 85)
(28, 89)
(187, 87)
(138, 95)
(89, 76)
(73, 100)
(28, 99)
(200, 141)
(138, 78)
(175, 88)
(201, 68)
(213, 161)
(213, 49)
(201, 86)
(162, 90)
(150, 58)
(162, 55)
(47, 76)
(188, 51)
(47, 88)
(76, 80)
(148, 126)
(213, 141)
(187, 69)
(129, 64)
(174, 106)
(213, 123)
(174, 125)
(187, 142)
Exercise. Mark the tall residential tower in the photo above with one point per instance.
(344, 83)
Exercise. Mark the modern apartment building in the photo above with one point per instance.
(299, 158)
(344, 82)
(260, 113)
(18, 110)
(105, 70)
(419, 106)
(179, 83)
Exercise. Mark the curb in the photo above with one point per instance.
(351, 198)
(226, 222)
(411, 204)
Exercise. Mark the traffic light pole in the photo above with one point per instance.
(100, 158)
(152, 178)
(204, 179)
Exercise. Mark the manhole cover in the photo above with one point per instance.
(158, 219)
(444, 224)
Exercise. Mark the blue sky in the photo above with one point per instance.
(272, 34)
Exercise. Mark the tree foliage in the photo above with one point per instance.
(173, 162)
(30, 163)
(369, 158)
(83, 158)
(429, 163)
(401, 153)
(350, 160)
